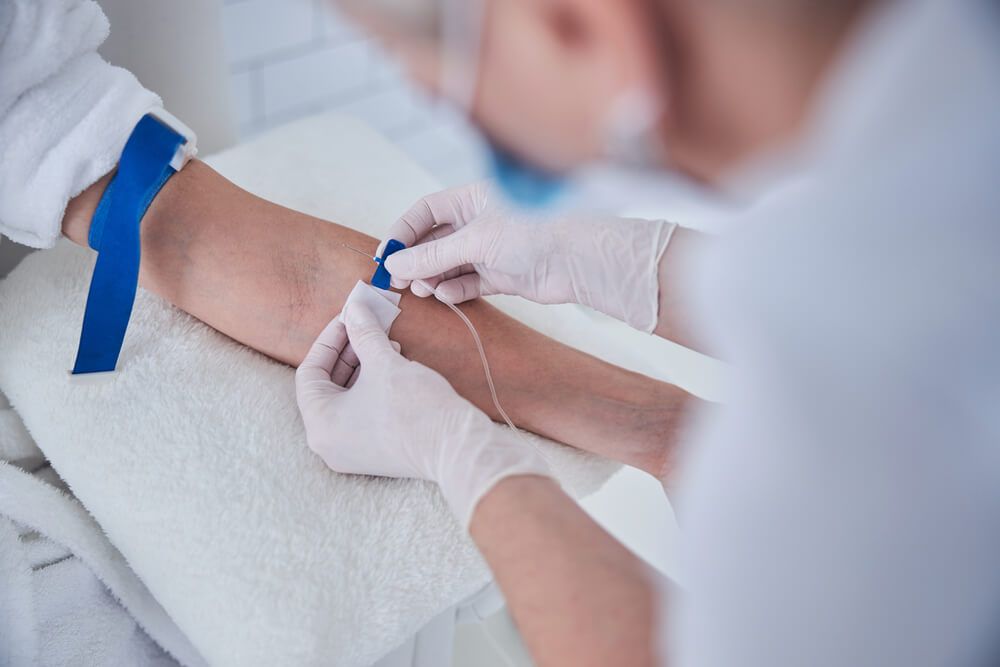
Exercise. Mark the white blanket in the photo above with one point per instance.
(194, 462)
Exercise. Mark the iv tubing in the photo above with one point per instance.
(486, 365)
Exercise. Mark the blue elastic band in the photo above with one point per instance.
(114, 233)
(382, 279)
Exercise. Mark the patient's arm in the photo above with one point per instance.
(272, 278)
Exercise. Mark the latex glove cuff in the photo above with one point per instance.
(489, 454)
(625, 283)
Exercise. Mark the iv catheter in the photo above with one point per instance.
(360, 252)
(381, 279)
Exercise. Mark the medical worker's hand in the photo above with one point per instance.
(466, 244)
(368, 410)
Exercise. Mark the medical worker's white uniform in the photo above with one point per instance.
(65, 115)
(844, 507)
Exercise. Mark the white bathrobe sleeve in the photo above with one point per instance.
(65, 113)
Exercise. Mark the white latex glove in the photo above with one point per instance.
(465, 245)
(368, 410)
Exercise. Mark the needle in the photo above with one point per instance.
(360, 252)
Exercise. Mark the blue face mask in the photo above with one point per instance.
(527, 186)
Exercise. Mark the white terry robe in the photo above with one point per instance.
(65, 113)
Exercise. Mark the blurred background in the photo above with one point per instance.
(292, 58)
(232, 69)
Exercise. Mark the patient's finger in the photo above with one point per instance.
(345, 367)
(318, 364)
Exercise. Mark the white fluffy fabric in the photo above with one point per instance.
(16, 445)
(18, 637)
(67, 596)
(65, 113)
(193, 458)
(194, 461)
(80, 603)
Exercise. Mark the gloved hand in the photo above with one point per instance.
(368, 410)
(466, 245)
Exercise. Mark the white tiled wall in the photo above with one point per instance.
(292, 58)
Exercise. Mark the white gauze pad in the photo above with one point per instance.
(383, 303)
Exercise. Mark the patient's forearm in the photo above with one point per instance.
(272, 278)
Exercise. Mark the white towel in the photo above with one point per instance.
(67, 596)
(194, 461)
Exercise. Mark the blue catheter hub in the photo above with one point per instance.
(382, 279)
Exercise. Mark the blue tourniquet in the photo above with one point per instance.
(114, 233)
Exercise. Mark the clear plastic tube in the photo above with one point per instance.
(486, 366)
(479, 347)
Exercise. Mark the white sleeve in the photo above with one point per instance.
(65, 113)
(845, 509)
